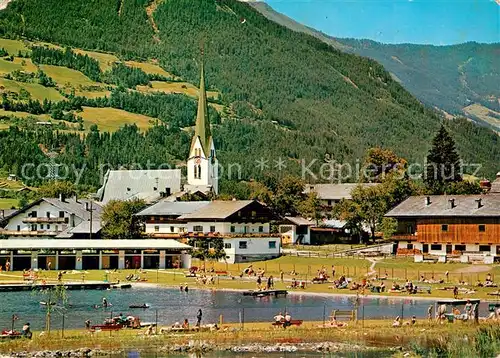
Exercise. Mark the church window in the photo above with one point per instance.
(195, 172)
(199, 171)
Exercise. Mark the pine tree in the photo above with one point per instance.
(443, 163)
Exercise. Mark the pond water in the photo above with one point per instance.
(169, 305)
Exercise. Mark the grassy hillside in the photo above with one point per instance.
(447, 77)
(287, 94)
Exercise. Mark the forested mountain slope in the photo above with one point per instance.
(450, 78)
(290, 95)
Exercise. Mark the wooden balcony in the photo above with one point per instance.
(28, 233)
(45, 220)
(232, 234)
(405, 237)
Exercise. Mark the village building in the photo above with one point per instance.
(465, 227)
(243, 225)
(331, 194)
(161, 220)
(296, 230)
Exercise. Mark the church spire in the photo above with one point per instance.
(202, 128)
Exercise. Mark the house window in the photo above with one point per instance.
(436, 247)
(157, 228)
(212, 228)
(48, 226)
(33, 214)
(198, 228)
(33, 227)
(444, 228)
(329, 203)
(227, 245)
(48, 214)
(172, 229)
(41, 226)
(254, 213)
(409, 246)
(484, 248)
(233, 229)
(460, 248)
(243, 244)
(18, 227)
(57, 228)
(61, 214)
(482, 228)
(261, 228)
(272, 244)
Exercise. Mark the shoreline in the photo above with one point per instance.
(307, 293)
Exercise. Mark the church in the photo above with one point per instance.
(167, 184)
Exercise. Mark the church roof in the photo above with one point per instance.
(142, 184)
(202, 127)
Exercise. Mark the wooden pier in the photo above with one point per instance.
(266, 293)
(91, 285)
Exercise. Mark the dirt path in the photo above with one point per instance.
(150, 10)
(371, 269)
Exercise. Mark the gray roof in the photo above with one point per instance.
(217, 210)
(334, 223)
(78, 208)
(300, 221)
(335, 191)
(172, 208)
(465, 206)
(129, 184)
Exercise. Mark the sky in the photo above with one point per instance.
(437, 22)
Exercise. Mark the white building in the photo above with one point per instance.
(296, 230)
(331, 194)
(244, 226)
(162, 218)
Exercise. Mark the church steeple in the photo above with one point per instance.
(202, 127)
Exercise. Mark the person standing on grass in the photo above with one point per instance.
(198, 318)
(259, 282)
(333, 271)
(7, 266)
(281, 275)
(455, 292)
(429, 312)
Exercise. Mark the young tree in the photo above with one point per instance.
(311, 207)
(206, 249)
(381, 162)
(443, 163)
(119, 221)
(55, 299)
(53, 189)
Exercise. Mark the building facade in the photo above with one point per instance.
(461, 226)
(243, 225)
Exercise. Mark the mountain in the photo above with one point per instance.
(460, 79)
(285, 95)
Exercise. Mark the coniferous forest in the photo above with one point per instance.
(291, 96)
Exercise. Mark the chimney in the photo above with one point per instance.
(451, 203)
(61, 197)
(75, 198)
(87, 206)
(427, 200)
(2, 214)
(479, 203)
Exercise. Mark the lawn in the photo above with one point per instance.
(111, 119)
(37, 91)
(13, 46)
(149, 68)
(42, 117)
(106, 60)
(17, 64)
(68, 77)
(175, 87)
(8, 203)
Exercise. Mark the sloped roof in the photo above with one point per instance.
(172, 208)
(217, 209)
(76, 207)
(129, 184)
(202, 126)
(465, 206)
(300, 221)
(334, 191)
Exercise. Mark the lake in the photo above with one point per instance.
(168, 305)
